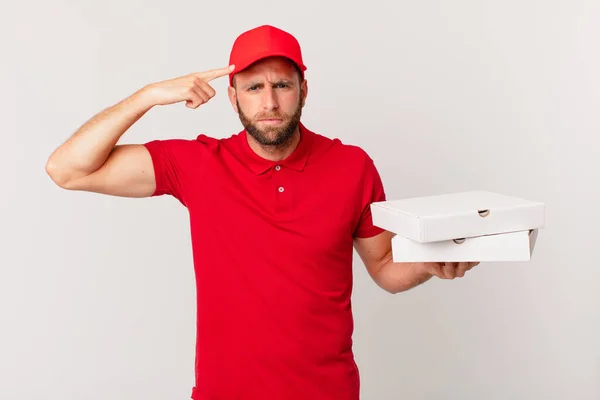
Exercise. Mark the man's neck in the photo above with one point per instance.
(275, 153)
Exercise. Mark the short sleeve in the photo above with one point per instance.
(169, 158)
(372, 191)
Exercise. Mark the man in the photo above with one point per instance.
(275, 212)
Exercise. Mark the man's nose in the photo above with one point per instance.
(270, 99)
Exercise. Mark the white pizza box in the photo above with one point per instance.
(514, 246)
(457, 215)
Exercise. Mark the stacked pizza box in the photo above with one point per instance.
(467, 226)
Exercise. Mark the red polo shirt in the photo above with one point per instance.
(272, 248)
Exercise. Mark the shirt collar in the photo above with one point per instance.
(296, 161)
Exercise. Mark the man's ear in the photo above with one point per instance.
(232, 98)
(304, 88)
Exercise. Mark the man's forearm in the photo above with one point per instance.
(399, 277)
(87, 149)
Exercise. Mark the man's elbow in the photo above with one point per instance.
(57, 174)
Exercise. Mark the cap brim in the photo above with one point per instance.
(239, 67)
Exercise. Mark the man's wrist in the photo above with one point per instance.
(143, 99)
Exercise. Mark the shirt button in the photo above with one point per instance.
(280, 189)
(277, 168)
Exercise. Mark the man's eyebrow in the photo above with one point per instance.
(250, 84)
(286, 81)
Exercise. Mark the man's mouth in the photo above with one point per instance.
(271, 121)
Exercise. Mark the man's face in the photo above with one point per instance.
(269, 97)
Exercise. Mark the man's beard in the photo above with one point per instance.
(272, 136)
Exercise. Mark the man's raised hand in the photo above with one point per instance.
(193, 88)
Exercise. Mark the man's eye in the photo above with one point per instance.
(253, 88)
(281, 85)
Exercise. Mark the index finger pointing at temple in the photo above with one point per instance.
(208, 76)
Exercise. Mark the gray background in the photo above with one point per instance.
(97, 295)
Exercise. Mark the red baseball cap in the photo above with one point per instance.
(261, 42)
